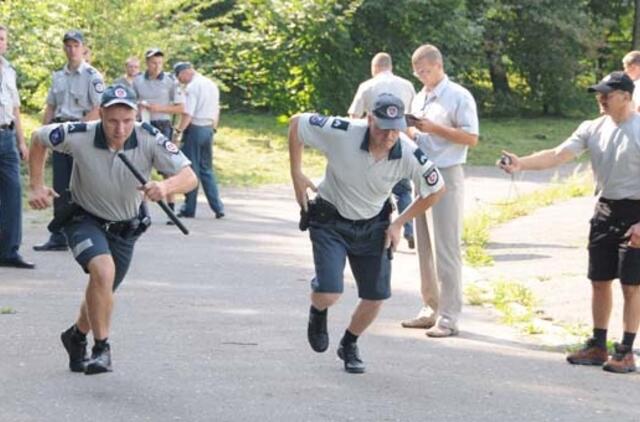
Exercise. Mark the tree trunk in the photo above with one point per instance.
(636, 25)
(497, 71)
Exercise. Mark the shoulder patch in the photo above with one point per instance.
(98, 85)
(149, 128)
(56, 136)
(432, 177)
(340, 124)
(318, 120)
(171, 147)
(420, 156)
(76, 127)
(91, 70)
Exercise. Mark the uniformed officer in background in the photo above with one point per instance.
(74, 96)
(159, 96)
(105, 217)
(383, 80)
(131, 70)
(12, 149)
(613, 142)
(198, 127)
(350, 215)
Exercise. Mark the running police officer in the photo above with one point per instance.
(12, 148)
(350, 215)
(74, 96)
(159, 96)
(613, 141)
(105, 216)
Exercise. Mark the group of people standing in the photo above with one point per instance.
(350, 215)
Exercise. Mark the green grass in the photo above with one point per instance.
(518, 135)
(7, 310)
(475, 234)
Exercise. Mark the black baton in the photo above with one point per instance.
(162, 204)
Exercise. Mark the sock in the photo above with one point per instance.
(600, 335)
(75, 331)
(348, 338)
(101, 344)
(628, 339)
(316, 311)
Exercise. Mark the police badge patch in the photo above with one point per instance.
(171, 147)
(56, 136)
(432, 177)
(340, 124)
(318, 120)
(421, 156)
(98, 86)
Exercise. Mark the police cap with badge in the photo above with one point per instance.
(119, 94)
(73, 35)
(388, 112)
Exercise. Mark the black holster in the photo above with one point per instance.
(65, 212)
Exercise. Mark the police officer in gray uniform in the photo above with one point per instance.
(613, 142)
(12, 148)
(105, 216)
(350, 215)
(74, 96)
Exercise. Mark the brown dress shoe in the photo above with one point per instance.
(622, 361)
(590, 354)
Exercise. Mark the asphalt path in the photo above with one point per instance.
(212, 327)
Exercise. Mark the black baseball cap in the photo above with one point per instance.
(180, 66)
(152, 52)
(388, 112)
(74, 35)
(118, 94)
(614, 81)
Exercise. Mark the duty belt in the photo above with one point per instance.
(9, 126)
(63, 120)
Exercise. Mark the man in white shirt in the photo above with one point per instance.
(197, 127)
(631, 64)
(384, 81)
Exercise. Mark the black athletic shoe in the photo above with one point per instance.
(100, 361)
(317, 332)
(351, 357)
(76, 349)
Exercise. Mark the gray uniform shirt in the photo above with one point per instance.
(354, 182)
(163, 90)
(100, 182)
(123, 81)
(9, 98)
(383, 82)
(75, 93)
(448, 104)
(615, 154)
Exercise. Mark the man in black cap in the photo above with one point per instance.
(74, 96)
(105, 216)
(613, 141)
(350, 216)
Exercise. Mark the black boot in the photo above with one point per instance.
(348, 352)
(317, 330)
(100, 361)
(76, 346)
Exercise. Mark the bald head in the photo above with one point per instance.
(381, 62)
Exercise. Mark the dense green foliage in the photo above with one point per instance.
(282, 56)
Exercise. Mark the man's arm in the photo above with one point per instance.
(166, 108)
(22, 146)
(40, 196)
(540, 160)
(94, 114)
(417, 207)
(452, 134)
(182, 182)
(300, 182)
(47, 116)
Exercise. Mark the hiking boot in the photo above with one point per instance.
(100, 361)
(76, 349)
(590, 354)
(317, 332)
(622, 360)
(351, 356)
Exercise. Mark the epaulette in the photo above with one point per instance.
(149, 128)
(91, 71)
(76, 127)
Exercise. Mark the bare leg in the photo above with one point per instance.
(99, 295)
(322, 301)
(601, 303)
(364, 314)
(631, 313)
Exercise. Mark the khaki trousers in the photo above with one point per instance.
(443, 292)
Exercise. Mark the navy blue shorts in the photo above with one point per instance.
(363, 243)
(610, 256)
(88, 239)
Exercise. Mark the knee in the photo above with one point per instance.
(601, 286)
(372, 304)
(324, 300)
(630, 292)
(102, 271)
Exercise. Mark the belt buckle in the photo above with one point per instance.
(107, 226)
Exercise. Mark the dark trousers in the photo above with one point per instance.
(10, 196)
(62, 166)
(402, 192)
(197, 145)
(164, 126)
